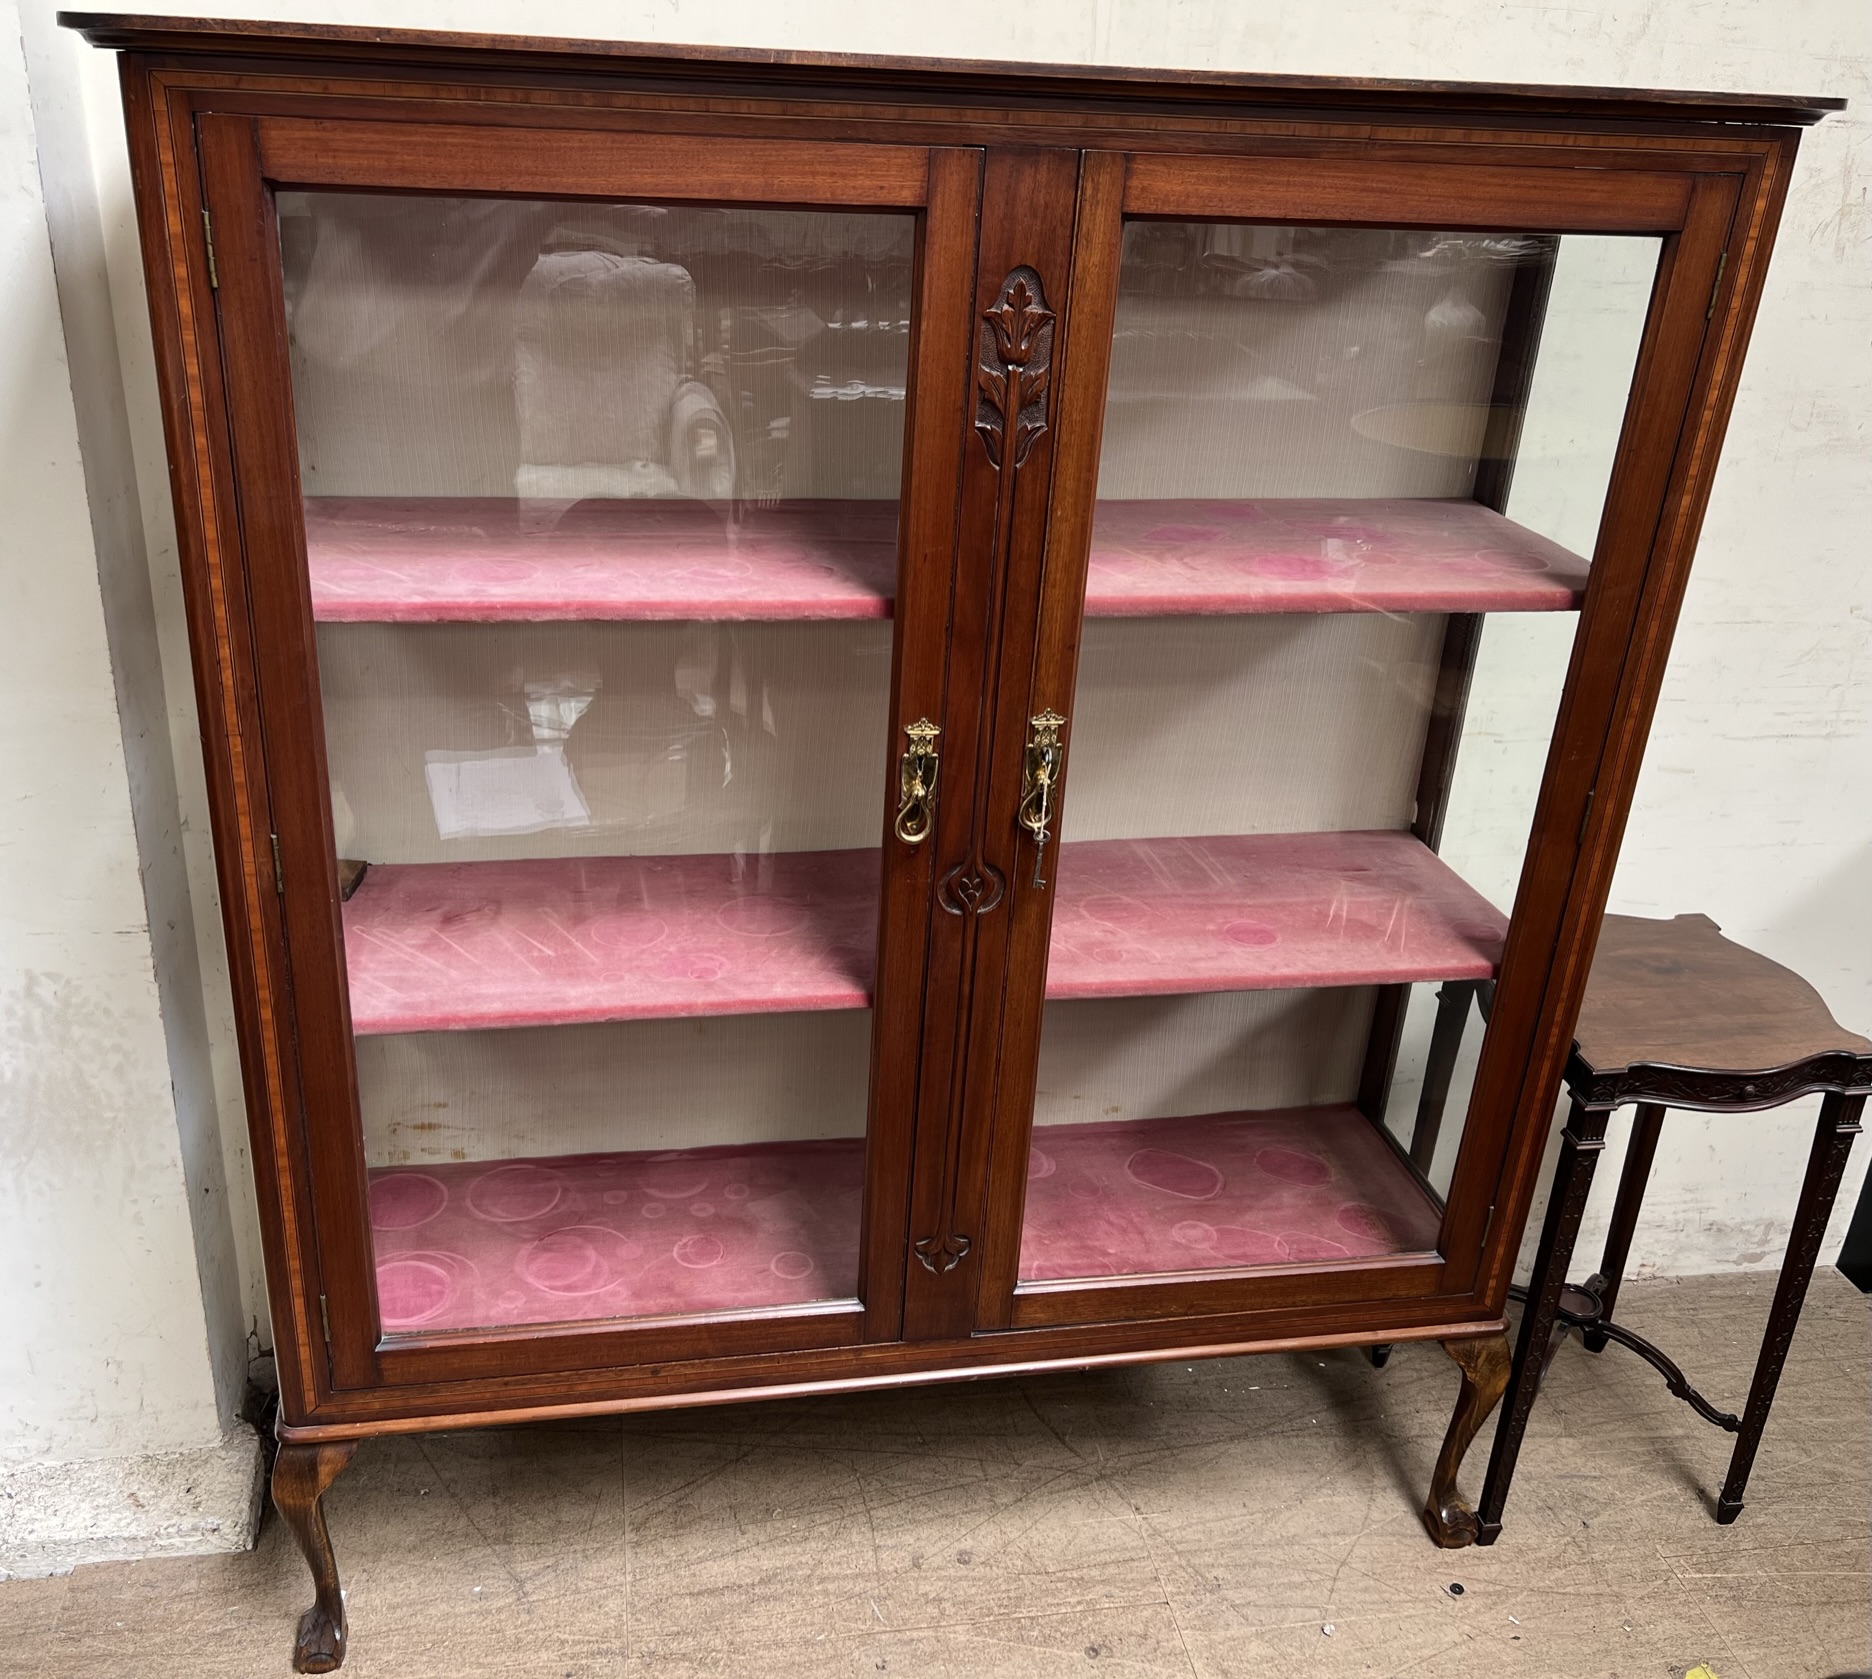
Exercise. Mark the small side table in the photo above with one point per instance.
(1677, 1016)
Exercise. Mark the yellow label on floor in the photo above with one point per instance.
(1701, 1672)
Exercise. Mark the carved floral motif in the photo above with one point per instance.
(975, 890)
(1013, 369)
(943, 1253)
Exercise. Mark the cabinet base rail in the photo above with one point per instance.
(311, 1459)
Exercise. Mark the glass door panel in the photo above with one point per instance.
(1351, 479)
(601, 526)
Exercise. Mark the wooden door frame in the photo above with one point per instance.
(1566, 871)
(244, 159)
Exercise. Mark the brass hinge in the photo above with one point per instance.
(207, 222)
(325, 1319)
(1722, 262)
(279, 873)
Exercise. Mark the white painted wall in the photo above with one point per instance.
(122, 1351)
(1756, 806)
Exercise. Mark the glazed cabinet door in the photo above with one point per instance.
(597, 499)
(1358, 471)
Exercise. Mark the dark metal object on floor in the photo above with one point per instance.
(1676, 1015)
(1855, 1259)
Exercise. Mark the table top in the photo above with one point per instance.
(1676, 995)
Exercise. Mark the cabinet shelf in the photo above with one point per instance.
(482, 561)
(1263, 912)
(760, 1227)
(434, 561)
(1156, 1197)
(491, 1244)
(1214, 558)
(436, 947)
(458, 946)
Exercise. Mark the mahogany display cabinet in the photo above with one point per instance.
(856, 706)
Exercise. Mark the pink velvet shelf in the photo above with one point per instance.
(774, 1225)
(491, 1244)
(1156, 1197)
(463, 560)
(457, 946)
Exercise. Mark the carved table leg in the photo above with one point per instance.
(1580, 1146)
(1452, 1015)
(1833, 1139)
(1484, 1363)
(1647, 1126)
(301, 1477)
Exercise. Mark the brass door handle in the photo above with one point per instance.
(916, 782)
(1040, 775)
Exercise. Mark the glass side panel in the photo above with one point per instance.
(1350, 479)
(601, 515)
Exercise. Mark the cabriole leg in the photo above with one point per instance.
(301, 1477)
(1484, 1362)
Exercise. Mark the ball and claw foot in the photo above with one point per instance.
(1485, 1362)
(320, 1646)
(301, 1476)
(1452, 1522)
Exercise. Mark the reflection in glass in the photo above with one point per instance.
(601, 507)
(1349, 490)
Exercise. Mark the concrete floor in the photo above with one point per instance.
(1240, 1517)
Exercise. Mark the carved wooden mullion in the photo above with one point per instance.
(1013, 378)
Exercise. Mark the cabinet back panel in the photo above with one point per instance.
(1144, 1057)
(1253, 725)
(434, 1097)
(1208, 398)
(742, 738)
(448, 346)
